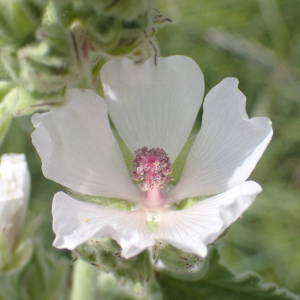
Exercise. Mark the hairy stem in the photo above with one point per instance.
(84, 281)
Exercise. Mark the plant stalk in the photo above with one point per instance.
(84, 281)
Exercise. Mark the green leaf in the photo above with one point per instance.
(214, 281)
(45, 277)
(9, 287)
(14, 260)
(30, 102)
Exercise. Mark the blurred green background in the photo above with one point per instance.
(259, 43)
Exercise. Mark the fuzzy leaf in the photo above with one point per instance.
(45, 277)
(215, 281)
(8, 99)
(9, 287)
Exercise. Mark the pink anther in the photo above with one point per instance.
(151, 168)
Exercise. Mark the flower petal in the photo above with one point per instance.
(227, 147)
(192, 229)
(78, 149)
(154, 105)
(75, 222)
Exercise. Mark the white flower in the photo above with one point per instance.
(14, 193)
(155, 107)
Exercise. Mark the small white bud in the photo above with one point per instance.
(14, 194)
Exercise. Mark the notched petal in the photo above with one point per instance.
(78, 149)
(227, 147)
(147, 101)
(76, 222)
(193, 229)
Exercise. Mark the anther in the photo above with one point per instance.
(151, 168)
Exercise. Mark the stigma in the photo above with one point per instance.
(151, 169)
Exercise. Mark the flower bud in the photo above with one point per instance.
(99, 32)
(126, 9)
(137, 36)
(133, 34)
(104, 30)
(46, 46)
(14, 194)
(18, 20)
(47, 65)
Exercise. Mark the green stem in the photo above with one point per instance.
(84, 281)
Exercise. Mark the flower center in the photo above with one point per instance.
(151, 168)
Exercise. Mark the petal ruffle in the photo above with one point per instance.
(192, 229)
(227, 147)
(154, 105)
(78, 149)
(75, 222)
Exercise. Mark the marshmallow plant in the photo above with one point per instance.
(148, 191)
(153, 108)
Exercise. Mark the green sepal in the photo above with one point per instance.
(187, 203)
(181, 158)
(128, 156)
(116, 203)
(176, 261)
